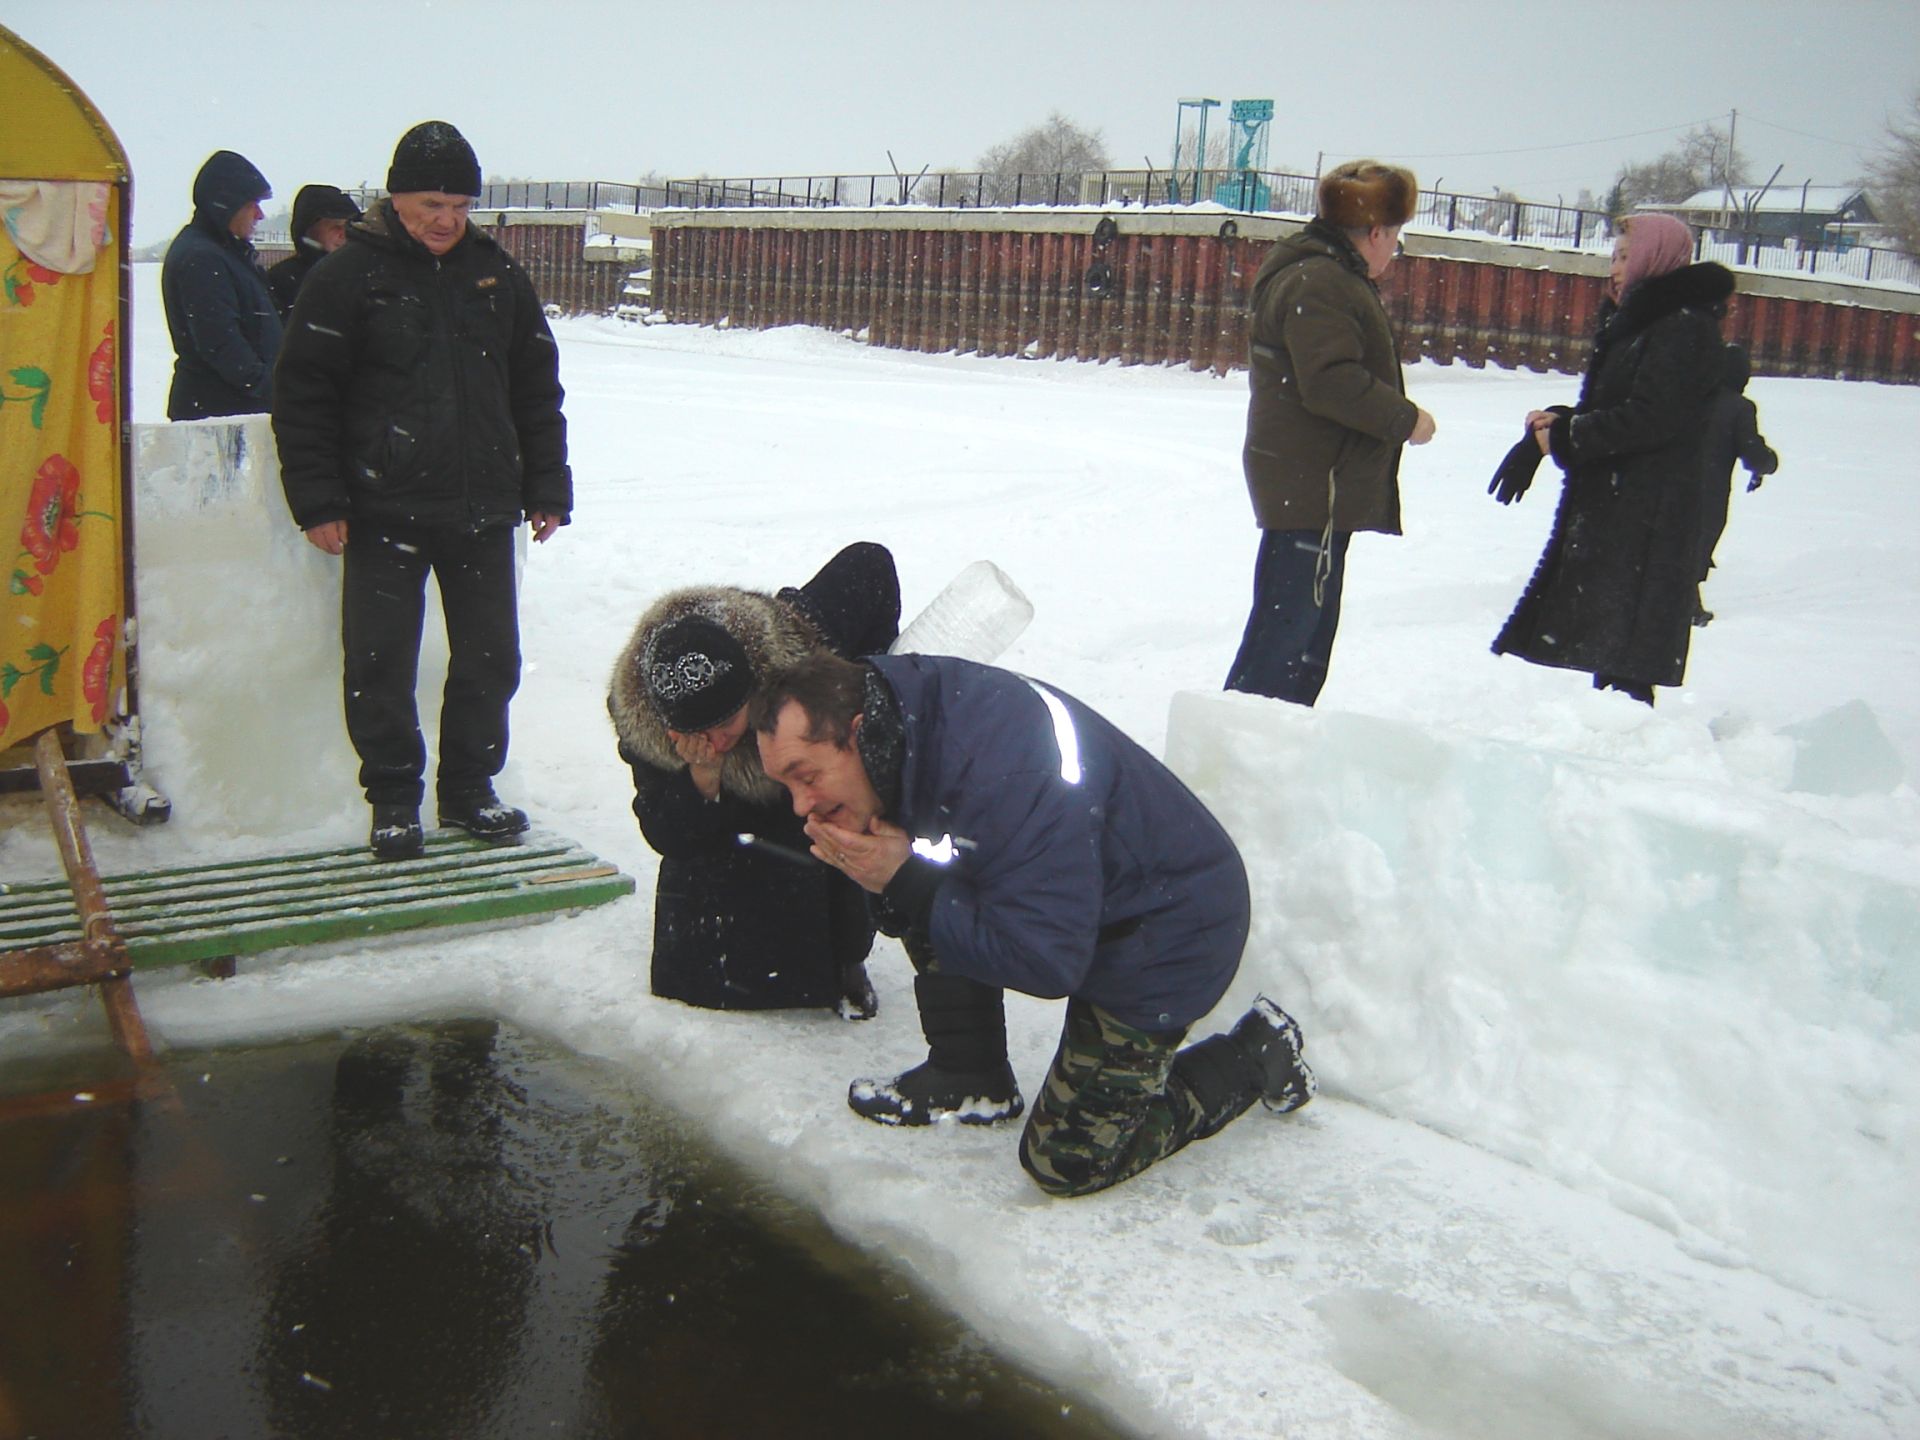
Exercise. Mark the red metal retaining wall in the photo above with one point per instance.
(551, 248)
(555, 257)
(1015, 282)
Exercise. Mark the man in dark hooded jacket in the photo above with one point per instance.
(1027, 843)
(1733, 434)
(226, 332)
(321, 214)
(417, 412)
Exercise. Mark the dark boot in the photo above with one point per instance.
(965, 1075)
(396, 833)
(482, 813)
(1271, 1040)
(858, 999)
(1222, 1079)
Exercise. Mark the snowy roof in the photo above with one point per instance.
(1813, 199)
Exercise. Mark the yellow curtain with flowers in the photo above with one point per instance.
(63, 601)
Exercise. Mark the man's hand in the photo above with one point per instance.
(1423, 427)
(869, 860)
(543, 525)
(703, 761)
(330, 537)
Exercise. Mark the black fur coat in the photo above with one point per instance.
(1613, 593)
(735, 928)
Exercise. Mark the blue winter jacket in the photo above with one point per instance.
(225, 328)
(1080, 865)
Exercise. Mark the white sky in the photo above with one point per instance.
(1542, 98)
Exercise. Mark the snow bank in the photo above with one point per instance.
(1700, 1009)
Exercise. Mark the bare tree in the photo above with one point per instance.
(1703, 159)
(1014, 170)
(1895, 176)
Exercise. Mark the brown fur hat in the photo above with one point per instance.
(1363, 193)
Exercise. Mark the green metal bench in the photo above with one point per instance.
(244, 907)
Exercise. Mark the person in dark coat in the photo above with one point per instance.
(321, 214)
(417, 411)
(1326, 419)
(225, 329)
(1733, 437)
(736, 925)
(1032, 845)
(1614, 591)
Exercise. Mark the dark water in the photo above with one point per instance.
(446, 1230)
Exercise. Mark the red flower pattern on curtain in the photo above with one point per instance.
(53, 523)
(99, 667)
(100, 378)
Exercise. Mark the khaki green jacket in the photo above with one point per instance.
(1328, 413)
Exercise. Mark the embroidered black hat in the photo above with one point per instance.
(697, 674)
(434, 156)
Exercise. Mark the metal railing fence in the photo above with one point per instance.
(1258, 192)
(1535, 222)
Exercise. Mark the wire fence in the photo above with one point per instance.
(1257, 192)
(1532, 222)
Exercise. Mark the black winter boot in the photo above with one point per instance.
(396, 833)
(482, 813)
(1222, 1078)
(1272, 1042)
(965, 1074)
(928, 1094)
(858, 999)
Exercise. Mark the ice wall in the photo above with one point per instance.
(1697, 1001)
(240, 640)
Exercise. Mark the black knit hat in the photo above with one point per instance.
(696, 673)
(434, 156)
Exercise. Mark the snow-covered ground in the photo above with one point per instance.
(1615, 1010)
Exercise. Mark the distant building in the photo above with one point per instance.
(1827, 216)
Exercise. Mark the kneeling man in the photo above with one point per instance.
(1023, 841)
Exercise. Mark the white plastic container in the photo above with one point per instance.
(978, 615)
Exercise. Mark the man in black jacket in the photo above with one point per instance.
(320, 217)
(417, 410)
(225, 329)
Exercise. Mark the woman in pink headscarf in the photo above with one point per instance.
(1613, 594)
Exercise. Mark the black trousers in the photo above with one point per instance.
(382, 609)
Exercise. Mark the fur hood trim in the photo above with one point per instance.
(773, 634)
(1705, 286)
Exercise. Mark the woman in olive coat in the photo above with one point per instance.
(1613, 593)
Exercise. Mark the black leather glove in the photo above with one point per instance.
(1516, 472)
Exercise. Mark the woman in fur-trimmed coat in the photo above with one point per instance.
(1613, 593)
(738, 927)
